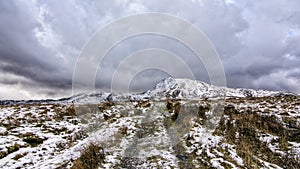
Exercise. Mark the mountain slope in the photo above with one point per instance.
(167, 88)
(175, 88)
(186, 88)
(173, 125)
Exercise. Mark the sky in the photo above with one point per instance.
(258, 42)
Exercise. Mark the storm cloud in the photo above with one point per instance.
(258, 42)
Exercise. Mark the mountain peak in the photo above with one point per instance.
(175, 88)
(188, 88)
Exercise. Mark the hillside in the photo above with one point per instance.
(180, 123)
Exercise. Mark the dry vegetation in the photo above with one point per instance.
(92, 155)
(252, 133)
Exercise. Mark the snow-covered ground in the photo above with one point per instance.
(177, 124)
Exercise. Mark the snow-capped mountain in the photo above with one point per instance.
(186, 88)
(167, 88)
(175, 88)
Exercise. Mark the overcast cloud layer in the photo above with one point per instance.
(258, 42)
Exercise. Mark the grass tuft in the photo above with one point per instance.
(91, 157)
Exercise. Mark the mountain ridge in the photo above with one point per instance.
(167, 88)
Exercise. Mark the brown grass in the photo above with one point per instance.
(91, 157)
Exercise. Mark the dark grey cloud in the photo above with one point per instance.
(20, 51)
(258, 42)
(271, 47)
